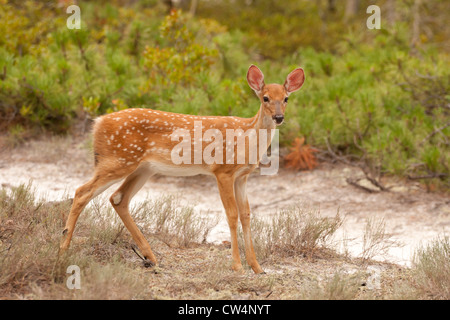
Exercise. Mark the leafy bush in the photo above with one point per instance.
(372, 97)
(384, 107)
(182, 57)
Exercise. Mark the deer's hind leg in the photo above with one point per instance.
(99, 183)
(120, 201)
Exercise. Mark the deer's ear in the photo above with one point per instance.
(255, 78)
(294, 80)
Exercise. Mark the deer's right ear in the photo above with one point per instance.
(294, 80)
(255, 79)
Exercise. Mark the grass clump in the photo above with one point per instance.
(174, 224)
(376, 240)
(294, 231)
(29, 234)
(431, 269)
(339, 286)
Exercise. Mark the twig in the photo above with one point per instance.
(271, 203)
(118, 234)
(335, 156)
(338, 103)
(374, 181)
(3, 75)
(426, 76)
(83, 54)
(434, 132)
(428, 176)
(39, 94)
(369, 124)
(363, 169)
(356, 184)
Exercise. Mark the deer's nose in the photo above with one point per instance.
(278, 118)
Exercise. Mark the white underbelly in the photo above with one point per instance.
(177, 170)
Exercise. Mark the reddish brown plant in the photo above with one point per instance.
(301, 156)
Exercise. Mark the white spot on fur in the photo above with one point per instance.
(117, 198)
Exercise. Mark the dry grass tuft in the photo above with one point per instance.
(376, 241)
(294, 231)
(29, 231)
(431, 269)
(339, 286)
(174, 224)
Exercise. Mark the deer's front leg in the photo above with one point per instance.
(226, 190)
(244, 215)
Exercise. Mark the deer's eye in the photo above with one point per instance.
(286, 99)
(266, 99)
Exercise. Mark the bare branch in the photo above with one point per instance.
(437, 130)
(428, 176)
(354, 182)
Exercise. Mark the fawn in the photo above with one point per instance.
(134, 144)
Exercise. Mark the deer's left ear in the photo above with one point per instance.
(294, 80)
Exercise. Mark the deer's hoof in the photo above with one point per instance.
(147, 263)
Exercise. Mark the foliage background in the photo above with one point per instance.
(378, 99)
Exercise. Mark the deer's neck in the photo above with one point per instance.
(263, 121)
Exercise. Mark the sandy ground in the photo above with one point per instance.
(57, 166)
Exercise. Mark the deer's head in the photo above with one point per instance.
(274, 97)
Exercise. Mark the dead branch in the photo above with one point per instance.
(361, 166)
(271, 203)
(375, 182)
(437, 130)
(354, 182)
(428, 176)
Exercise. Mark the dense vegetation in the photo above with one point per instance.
(377, 98)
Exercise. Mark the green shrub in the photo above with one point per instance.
(369, 95)
(384, 110)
